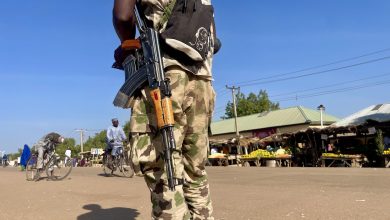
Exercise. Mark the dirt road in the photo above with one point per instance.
(237, 193)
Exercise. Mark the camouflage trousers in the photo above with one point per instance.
(193, 103)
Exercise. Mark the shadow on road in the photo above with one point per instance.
(97, 213)
(112, 175)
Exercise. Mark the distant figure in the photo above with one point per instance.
(330, 147)
(4, 160)
(26, 153)
(82, 162)
(74, 162)
(68, 153)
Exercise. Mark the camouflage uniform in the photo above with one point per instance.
(193, 103)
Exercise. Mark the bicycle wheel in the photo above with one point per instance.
(106, 170)
(125, 166)
(57, 169)
(31, 167)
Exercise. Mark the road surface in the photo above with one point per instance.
(237, 193)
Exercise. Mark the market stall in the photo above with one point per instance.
(265, 158)
(386, 155)
(218, 159)
(344, 160)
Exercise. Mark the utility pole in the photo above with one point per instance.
(322, 108)
(81, 140)
(233, 88)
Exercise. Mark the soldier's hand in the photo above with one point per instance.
(119, 56)
(217, 45)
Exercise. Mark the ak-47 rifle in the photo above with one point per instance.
(147, 66)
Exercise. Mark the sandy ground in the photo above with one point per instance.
(237, 193)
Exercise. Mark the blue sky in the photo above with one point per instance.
(55, 59)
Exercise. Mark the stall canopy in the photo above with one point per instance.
(377, 113)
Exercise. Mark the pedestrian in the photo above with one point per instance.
(26, 153)
(68, 153)
(189, 72)
(5, 160)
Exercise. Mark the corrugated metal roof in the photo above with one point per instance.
(278, 118)
(379, 113)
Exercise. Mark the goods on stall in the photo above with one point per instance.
(280, 151)
(217, 155)
(259, 153)
(340, 155)
(386, 152)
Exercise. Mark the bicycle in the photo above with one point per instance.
(119, 162)
(54, 165)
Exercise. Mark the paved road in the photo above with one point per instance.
(237, 193)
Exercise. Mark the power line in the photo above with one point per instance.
(330, 85)
(326, 92)
(346, 89)
(222, 92)
(316, 67)
(319, 72)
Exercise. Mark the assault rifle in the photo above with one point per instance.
(147, 66)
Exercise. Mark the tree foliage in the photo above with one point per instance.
(14, 156)
(97, 141)
(251, 104)
(69, 143)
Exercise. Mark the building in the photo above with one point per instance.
(288, 120)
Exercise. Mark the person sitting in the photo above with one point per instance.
(115, 138)
(46, 144)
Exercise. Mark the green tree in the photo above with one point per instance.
(97, 141)
(68, 143)
(379, 142)
(250, 105)
(14, 156)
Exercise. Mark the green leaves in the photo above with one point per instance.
(250, 105)
(68, 143)
(98, 141)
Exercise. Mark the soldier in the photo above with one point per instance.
(193, 103)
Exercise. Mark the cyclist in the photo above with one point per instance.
(115, 138)
(46, 144)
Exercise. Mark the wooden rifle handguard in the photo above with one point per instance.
(133, 44)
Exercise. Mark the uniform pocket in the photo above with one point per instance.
(142, 152)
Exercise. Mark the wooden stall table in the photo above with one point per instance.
(280, 160)
(234, 159)
(218, 159)
(387, 160)
(283, 159)
(348, 160)
(248, 161)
